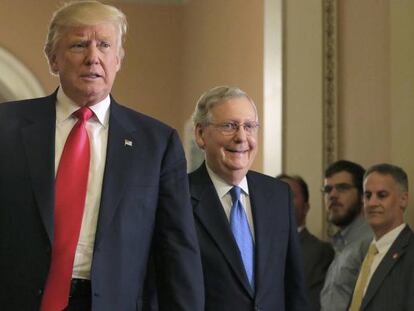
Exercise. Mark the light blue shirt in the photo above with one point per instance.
(351, 245)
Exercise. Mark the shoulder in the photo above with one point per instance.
(316, 243)
(14, 114)
(133, 118)
(266, 180)
(26, 105)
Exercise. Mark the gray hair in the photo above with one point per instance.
(84, 13)
(213, 97)
(396, 172)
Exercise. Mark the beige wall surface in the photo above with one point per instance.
(303, 101)
(375, 87)
(402, 92)
(363, 81)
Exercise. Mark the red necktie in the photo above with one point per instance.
(70, 192)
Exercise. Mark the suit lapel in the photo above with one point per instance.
(396, 251)
(264, 228)
(209, 211)
(118, 159)
(38, 138)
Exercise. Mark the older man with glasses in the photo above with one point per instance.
(249, 244)
(343, 200)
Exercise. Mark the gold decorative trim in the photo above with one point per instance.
(330, 99)
(330, 82)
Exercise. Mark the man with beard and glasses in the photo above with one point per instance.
(343, 200)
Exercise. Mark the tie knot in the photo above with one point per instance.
(235, 193)
(373, 249)
(83, 114)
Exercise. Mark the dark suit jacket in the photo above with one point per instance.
(317, 256)
(145, 203)
(279, 277)
(392, 285)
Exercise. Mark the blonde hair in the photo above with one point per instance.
(84, 13)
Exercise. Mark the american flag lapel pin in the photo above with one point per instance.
(128, 143)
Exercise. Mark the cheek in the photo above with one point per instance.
(252, 143)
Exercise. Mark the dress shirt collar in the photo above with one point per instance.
(222, 187)
(385, 242)
(65, 107)
(300, 229)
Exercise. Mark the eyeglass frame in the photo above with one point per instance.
(235, 127)
(340, 187)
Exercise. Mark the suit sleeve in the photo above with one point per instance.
(294, 276)
(177, 260)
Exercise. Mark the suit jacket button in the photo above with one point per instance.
(257, 308)
(39, 292)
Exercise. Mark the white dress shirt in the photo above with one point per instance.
(383, 245)
(223, 192)
(97, 128)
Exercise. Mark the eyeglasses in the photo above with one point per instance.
(342, 187)
(231, 128)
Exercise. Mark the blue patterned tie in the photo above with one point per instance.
(241, 231)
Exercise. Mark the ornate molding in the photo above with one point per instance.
(330, 99)
(330, 82)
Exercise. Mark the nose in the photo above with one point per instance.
(92, 55)
(240, 134)
(333, 194)
(371, 201)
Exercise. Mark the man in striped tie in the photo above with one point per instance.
(249, 243)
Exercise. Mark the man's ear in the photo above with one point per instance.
(119, 62)
(53, 63)
(306, 208)
(199, 136)
(404, 200)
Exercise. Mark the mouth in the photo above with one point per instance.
(374, 213)
(334, 205)
(91, 75)
(237, 152)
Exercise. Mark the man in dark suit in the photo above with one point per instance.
(386, 277)
(130, 194)
(317, 254)
(248, 240)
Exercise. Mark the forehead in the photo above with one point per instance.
(339, 178)
(236, 109)
(101, 31)
(379, 182)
